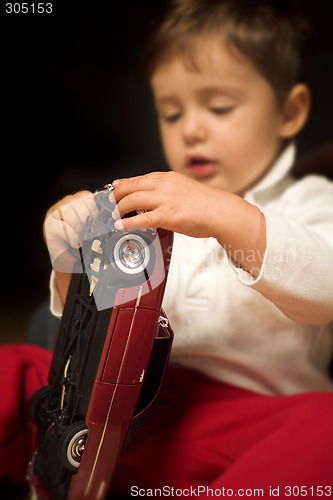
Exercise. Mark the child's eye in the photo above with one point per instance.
(171, 118)
(221, 111)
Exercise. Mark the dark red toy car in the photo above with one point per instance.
(109, 359)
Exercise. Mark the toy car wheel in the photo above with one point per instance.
(132, 255)
(38, 405)
(72, 443)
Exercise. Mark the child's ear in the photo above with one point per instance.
(295, 111)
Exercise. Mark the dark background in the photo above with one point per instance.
(76, 113)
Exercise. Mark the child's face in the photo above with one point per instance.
(220, 122)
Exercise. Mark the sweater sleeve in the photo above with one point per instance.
(297, 269)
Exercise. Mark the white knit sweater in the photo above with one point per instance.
(269, 334)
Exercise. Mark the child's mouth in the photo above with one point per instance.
(201, 167)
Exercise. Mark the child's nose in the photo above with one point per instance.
(194, 130)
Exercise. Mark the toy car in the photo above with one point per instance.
(110, 355)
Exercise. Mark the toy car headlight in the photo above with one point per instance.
(131, 254)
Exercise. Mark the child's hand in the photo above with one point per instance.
(62, 226)
(169, 200)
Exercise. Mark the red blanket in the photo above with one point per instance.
(23, 369)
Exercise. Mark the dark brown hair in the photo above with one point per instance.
(269, 33)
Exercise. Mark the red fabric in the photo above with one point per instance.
(201, 433)
(23, 369)
(206, 433)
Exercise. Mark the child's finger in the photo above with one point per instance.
(71, 223)
(58, 230)
(147, 182)
(74, 215)
(117, 182)
(137, 201)
(143, 219)
(83, 208)
(58, 235)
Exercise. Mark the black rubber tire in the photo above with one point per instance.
(38, 405)
(72, 433)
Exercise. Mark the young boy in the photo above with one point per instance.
(247, 402)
